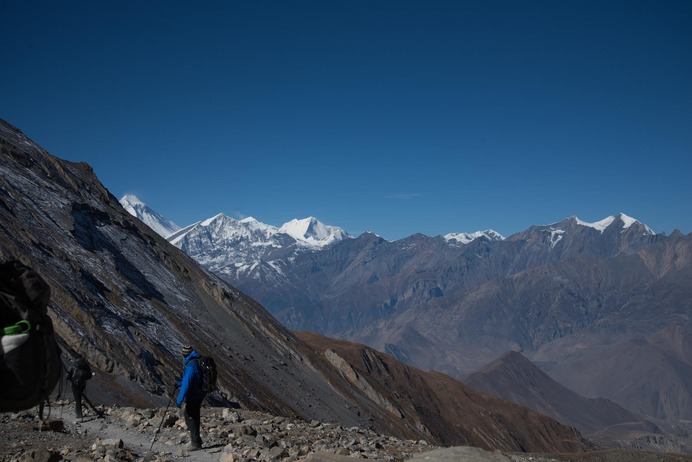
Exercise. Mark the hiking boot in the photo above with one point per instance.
(194, 446)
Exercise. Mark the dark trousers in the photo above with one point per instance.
(78, 391)
(192, 419)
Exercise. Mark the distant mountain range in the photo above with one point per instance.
(569, 296)
(244, 248)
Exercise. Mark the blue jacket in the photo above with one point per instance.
(191, 384)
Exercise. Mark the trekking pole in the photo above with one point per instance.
(61, 388)
(162, 419)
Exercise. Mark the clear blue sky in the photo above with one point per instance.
(391, 116)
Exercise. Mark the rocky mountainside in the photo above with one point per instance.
(556, 293)
(128, 301)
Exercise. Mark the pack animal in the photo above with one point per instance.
(30, 364)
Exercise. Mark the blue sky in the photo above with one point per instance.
(391, 116)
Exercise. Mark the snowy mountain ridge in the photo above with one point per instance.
(248, 248)
(228, 246)
(309, 234)
(465, 238)
(311, 231)
(602, 225)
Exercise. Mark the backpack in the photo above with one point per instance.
(81, 372)
(30, 364)
(207, 367)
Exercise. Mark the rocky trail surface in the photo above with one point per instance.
(233, 435)
(126, 434)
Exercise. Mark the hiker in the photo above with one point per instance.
(191, 393)
(78, 374)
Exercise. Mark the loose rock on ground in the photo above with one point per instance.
(126, 434)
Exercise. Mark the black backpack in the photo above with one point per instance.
(30, 362)
(80, 372)
(207, 367)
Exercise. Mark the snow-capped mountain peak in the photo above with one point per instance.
(225, 228)
(254, 224)
(215, 218)
(232, 247)
(627, 222)
(130, 200)
(597, 225)
(465, 238)
(313, 232)
(135, 207)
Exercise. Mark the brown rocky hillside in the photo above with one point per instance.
(442, 405)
